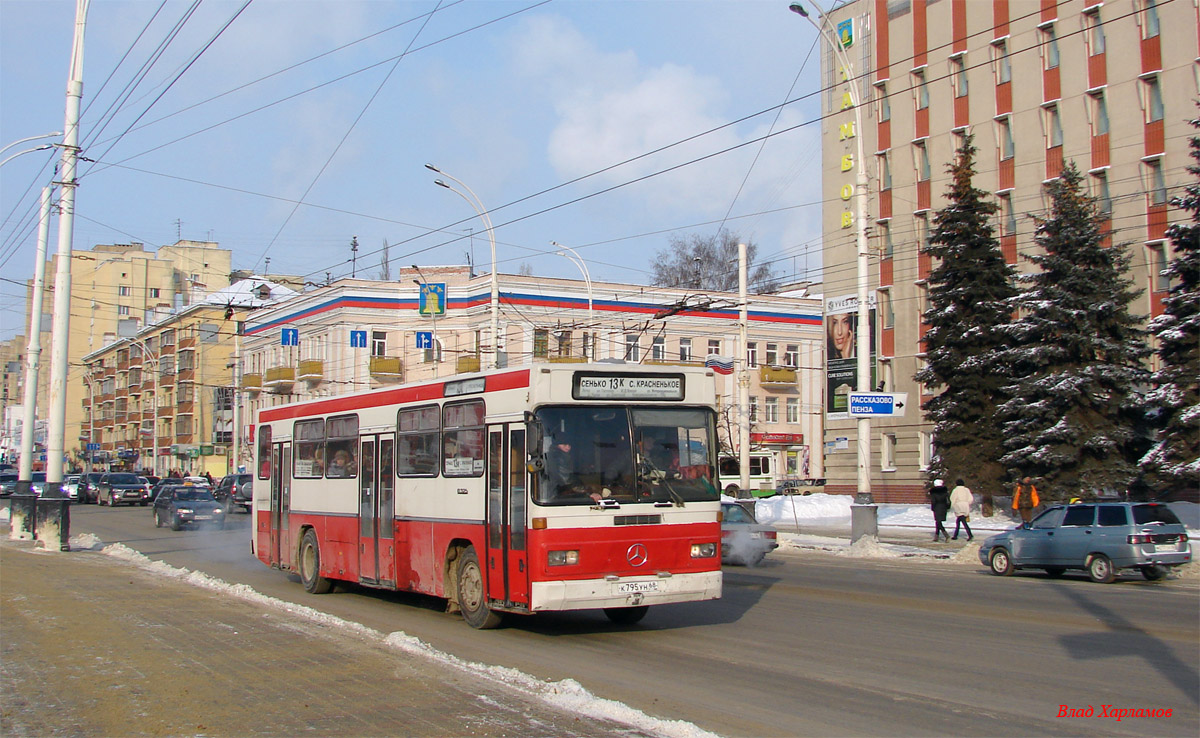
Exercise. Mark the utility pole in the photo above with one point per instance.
(743, 375)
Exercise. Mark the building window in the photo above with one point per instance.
(887, 452)
(753, 409)
(123, 291)
(1049, 48)
(632, 347)
(1153, 99)
(378, 343)
(658, 348)
(1150, 27)
(541, 343)
(1098, 107)
(958, 73)
(792, 408)
(791, 356)
(751, 353)
(714, 347)
(1001, 62)
(924, 172)
(123, 310)
(885, 308)
(922, 300)
(1157, 253)
(154, 292)
(924, 448)
(885, 170)
(1102, 194)
(1095, 31)
(1008, 148)
(771, 410)
(772, 354)
(1054, 133)
(923, 232)
(685, 349)
(886, 247)
(563, 339)
(1156, 184)
(887, 379)
(921, 89)
(884, 103)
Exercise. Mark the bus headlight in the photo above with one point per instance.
(704, 550)
(562, 558)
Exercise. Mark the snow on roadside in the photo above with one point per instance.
(566, 694)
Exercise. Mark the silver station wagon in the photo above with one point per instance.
(1101, 538)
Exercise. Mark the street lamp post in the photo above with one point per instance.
(421, 284)
(153, 408)
(574, 256)
(482, 212)
(868, 524)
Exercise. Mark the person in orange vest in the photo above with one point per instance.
(1025, 499)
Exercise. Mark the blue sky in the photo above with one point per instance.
(519, 100)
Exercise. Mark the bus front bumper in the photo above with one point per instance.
(587, 594)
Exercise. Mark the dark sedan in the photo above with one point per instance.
(122, 488)
(184, 505)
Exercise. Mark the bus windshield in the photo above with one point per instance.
(626, 455)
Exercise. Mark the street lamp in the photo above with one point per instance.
(42, 147)
(574, 256)
(421, 283)
(145, 349)
(482, 212)
(863, 337)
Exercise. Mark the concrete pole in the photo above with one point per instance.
(743, 375)
(33, 351)
(576, 259)
(237, 398)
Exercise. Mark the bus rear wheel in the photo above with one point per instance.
(310, 565)
(626, 615)
(472, 600)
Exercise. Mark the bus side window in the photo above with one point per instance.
(417, 436)
(341, 438)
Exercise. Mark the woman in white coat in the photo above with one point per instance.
(960, 503)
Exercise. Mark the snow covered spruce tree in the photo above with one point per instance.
(1078, 357)
(970, 290)
(1174, 462)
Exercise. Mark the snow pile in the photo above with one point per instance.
(5, 514)
(815, 509)
(85, 542)
(567, 694)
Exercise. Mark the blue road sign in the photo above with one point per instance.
(358, 339)
(93, 447)
(289, 337)
(425, 339)
(885, 404)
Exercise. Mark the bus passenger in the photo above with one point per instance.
(342, 464)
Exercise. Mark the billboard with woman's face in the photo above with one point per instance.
(841, 353)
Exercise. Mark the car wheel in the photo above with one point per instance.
(176, 523)
(626, 615)
(310, 565)
(157, 519)
(1055, 571)
(1154, 572)
(472, 600)
(1000, 562)
(732, 490)
(1100, 569)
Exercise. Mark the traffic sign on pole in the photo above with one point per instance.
(425, 339)
(881, 404)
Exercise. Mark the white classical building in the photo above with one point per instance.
(355, 334)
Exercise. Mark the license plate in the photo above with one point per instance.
(628, 587)
(203, 517)
(1164, 547)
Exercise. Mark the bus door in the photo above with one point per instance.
(507, 560)
(281, 498)
(376, 504)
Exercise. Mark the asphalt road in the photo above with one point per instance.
(809, 643)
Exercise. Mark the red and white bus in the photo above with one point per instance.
(551, 487)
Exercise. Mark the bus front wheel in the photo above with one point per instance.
(472, 600)
(310, 565)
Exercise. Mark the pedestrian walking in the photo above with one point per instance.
(1025, 499)
(939, 502)
(960, 503)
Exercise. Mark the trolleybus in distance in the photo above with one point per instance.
(544, 488)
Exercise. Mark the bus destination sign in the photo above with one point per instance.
(611, 386)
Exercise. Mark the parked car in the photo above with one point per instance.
(228, 489)
(243, 494)
(1101, 538)
(180, 505)
(89, 487)
(122, 488)
(8, 483)
(743, 540)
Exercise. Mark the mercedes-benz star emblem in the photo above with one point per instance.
(637, 554)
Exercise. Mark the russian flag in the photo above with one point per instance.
(719, 364)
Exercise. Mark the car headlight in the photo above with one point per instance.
(704, 550)
(218, 511)
(562, 558)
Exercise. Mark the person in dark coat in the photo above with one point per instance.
(939, 502)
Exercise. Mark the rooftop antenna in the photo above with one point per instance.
(353, 256)
(267, 268)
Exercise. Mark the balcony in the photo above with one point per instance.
(185, 408)
(777, 376)
(311, 371)
(186, 375)
(252, 383)
(187, 343)
(280, 379)
(467, 364)
(387, 368)
(566, 359)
